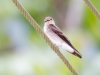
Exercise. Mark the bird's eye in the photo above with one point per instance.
(50, 19)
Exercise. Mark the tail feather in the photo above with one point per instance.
(77, 54)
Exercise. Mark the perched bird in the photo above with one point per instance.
(57, 37)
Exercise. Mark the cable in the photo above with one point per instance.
(92, 7)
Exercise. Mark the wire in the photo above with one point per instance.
(92, 7)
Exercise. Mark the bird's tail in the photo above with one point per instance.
(76, 53)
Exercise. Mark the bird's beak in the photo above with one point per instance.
(49, 22)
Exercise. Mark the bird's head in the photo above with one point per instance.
(49, 20)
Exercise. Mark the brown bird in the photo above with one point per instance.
(57, 37)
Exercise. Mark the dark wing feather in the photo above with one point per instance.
(60, 34)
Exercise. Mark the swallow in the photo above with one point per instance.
(57, 37)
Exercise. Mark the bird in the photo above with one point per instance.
(57, 37)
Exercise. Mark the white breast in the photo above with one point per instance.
(57, 40)
(53, 37)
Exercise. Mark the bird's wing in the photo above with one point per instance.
(60, 34)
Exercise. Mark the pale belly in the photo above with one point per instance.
(55, 39)
(58, 41)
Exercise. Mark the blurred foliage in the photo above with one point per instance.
(24, 52)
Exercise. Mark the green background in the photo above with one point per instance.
(24, 52)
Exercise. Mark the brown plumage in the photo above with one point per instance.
(51, 28)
